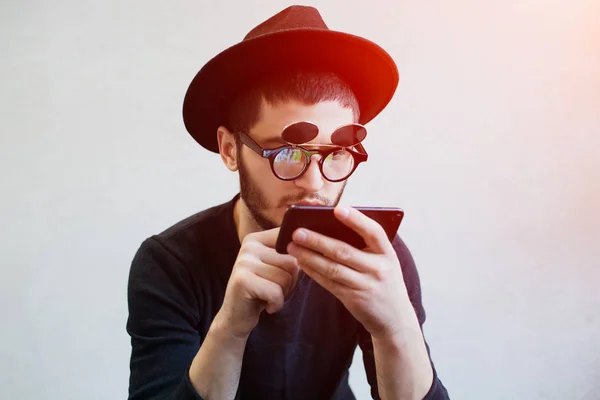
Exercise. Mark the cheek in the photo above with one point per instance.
(271, 187)
(332, 189)
(259, 170)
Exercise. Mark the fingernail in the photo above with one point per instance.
(300, 235)
(344, 211)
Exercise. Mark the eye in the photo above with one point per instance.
(289, 155)
(339, 154)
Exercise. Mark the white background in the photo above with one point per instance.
(491, 146)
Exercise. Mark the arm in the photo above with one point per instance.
(163, 315)
(217, 366)
(386, 360)
(169, 359)
(162, 323)
(402, 363)
(372, 286)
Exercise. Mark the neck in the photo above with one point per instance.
(244, 223)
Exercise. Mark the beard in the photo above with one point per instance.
(257, 202)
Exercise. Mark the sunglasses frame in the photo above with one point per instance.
(359, 154)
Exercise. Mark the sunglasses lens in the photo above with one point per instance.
(289, 163)
(349, 135)
(300, 132)
(338, 165)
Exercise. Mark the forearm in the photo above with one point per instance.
(215, 370)
(402, 363)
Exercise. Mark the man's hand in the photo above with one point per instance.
(261, 279)
(368, 282)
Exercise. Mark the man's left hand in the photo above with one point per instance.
(368, 282)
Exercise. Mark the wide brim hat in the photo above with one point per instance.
(295, 38)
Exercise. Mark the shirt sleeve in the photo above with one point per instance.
(162, 323)
(413, 286)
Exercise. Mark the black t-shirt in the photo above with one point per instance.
(176, 286)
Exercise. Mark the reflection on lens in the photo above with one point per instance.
(338, 164)
(289, 163)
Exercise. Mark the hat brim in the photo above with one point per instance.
(365, 66)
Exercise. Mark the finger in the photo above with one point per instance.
(372, 233)
(284, 261)
(276, 275)
(269, 264)
(329, 269)
(269, 292)
(335, 288)
(267, 238)
(267, 255)
(334, 249)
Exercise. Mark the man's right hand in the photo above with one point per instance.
(261, 279)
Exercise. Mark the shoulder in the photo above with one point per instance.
(197, 224)
(193, 236)
(191, 240)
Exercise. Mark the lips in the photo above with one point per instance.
(309, 203)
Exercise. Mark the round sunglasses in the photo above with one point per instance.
(337, 161)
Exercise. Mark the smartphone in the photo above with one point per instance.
(321, 219)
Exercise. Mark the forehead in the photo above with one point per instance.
(327, 115)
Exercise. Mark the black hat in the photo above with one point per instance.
(295, 38)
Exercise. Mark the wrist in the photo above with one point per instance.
(214, 371)
(406, 354)
(394, 342)
(223, 327)
(405, 329)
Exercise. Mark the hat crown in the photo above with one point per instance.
(295, 38)
(293, 17)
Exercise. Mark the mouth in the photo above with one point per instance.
(309, 203)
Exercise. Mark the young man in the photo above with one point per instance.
(214, 311)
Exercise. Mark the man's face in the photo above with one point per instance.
(265, 195)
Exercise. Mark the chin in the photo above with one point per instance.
(273, 218)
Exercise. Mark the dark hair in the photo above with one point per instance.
(303, 86)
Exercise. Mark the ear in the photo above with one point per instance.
(227, 148)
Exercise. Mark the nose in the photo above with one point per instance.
(311, 181)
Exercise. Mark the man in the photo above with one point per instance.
(214, 311)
